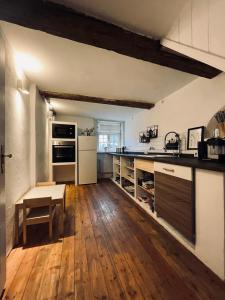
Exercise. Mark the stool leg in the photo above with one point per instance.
(24, 233)
(50, 229)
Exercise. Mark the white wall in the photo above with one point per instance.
(17, 118)
(25, 123)
(198, 32)
(82, 122)
(38, 137)
(41, 131)
(191, 106)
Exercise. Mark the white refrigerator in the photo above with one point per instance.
(87, 159)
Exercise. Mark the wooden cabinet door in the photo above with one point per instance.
(175, 203)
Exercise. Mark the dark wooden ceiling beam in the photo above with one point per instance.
(82, 98)
(66, 23)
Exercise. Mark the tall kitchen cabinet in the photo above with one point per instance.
(63, 158)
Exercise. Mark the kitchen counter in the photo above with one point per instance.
(188, 199)
(192, 162)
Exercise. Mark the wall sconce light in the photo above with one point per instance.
(21, 88)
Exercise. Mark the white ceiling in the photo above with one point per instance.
(61, 65)
(149, 17)
(67, 66)
(97, 111)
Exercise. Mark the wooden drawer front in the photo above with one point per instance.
(145, 165)
(174, 170)
(175, 203)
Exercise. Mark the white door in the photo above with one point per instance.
(2, 175)
(87, 167)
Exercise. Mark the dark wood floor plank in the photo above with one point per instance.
(129, 284)
(160, 287)
(96, 273)
(13, 263)
(106, 251)
(83, 288)
(33, 290)
(50, 279)
(17, 288)
(147, 242)
(66, 278)
(135, 267)
(195, 274)
(66, 288)
(164, 284)
(111, 250)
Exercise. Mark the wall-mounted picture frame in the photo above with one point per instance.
(195, 135)
(153, 131)
(144, 137)
(150, 133)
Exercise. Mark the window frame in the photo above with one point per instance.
(122, 131)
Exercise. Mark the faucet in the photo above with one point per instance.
(173, 147)
(149, 150)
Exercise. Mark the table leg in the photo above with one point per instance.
(64, 201)
(16, 225)
(62, 218)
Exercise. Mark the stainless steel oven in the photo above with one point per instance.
(63, 152)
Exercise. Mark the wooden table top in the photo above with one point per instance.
(56, 192)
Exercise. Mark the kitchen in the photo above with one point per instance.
(133, 143)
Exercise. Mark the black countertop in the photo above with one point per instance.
(192, 162)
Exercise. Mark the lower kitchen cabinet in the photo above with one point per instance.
(187, 202)
(210, 215)
(174, 199)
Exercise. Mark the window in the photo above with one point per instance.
(110, 135)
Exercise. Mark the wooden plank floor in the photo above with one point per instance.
(111, 250)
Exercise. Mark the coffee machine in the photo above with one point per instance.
(216, 146)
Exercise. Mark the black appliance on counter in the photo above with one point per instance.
(202, 150)
(217, 147)
(213, 146)
(63, 152)
(63, 131)
(172, 141)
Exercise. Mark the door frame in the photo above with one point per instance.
(2, 173)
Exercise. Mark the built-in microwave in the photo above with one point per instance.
(63, 152)
(63, 131)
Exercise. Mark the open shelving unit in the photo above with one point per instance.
(117, 170)
(62, 171)
(123, 174)
(131, 179)
(127, 175)
(145, 181)
(145, 192)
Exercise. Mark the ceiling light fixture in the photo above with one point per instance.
(21, 88)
